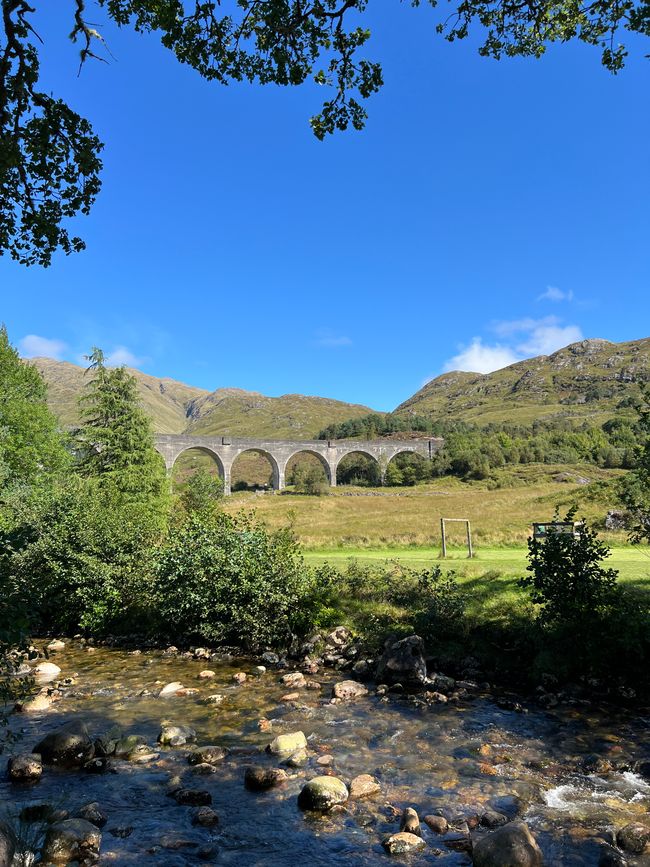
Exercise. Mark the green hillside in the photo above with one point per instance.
(177, 408)
(591, 380)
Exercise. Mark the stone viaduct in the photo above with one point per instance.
(225, 449)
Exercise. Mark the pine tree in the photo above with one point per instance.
(116, 439)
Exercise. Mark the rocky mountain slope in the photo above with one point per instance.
(177, 408)
(592, 379)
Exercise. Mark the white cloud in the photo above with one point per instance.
(518, 339)
(33, 346)
(552, 293)
(545, 339)
(121, 355)
(480, 358)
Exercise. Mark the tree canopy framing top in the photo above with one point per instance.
(50, 157)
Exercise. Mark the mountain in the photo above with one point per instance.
(590, 380)
(178, 408)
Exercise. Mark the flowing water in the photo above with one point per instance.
(450, 759)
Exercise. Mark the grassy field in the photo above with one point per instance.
(353, 518)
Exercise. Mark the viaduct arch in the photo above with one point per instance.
(225, 449)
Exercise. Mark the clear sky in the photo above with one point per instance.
(489, 211)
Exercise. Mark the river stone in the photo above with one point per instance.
(403, 662)
(239, 677)
(217, 698)
(364, 786)
(206, 674)
(410, 822)
(55, 645)
(294, 680)
(633, 838)
(205, 817)
(7, 845)
(46, 671)
(438, 824)
(400, 844)
(493, 819)
(260, 779)
(71, 840)
(192, 797)
(297, 759)
(270, 658)
(210, 755)
(287, 744)
(170, 689)
(68, 747)
(611, 858)
(339, 637)
(510, 846)
(348, 689)
(127, 744)
(25, 768)
(322, 793)
(175, 736)
(92, 813)
(38, 703)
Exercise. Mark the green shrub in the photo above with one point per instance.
(226, 579)
(439, 606)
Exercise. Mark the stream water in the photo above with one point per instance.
(449, 759)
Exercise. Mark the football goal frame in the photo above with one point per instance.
(468, 532)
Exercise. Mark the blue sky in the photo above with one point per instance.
(490, 211)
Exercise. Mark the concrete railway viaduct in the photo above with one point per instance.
(224, 450)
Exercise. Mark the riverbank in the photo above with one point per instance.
(473, 762)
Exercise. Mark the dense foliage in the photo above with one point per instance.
(636, 490)
(227, 580)
(474, 452)
(587, 623)
(49, 155)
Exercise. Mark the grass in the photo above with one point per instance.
(388, 518)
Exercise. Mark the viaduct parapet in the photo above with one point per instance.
(225, 450)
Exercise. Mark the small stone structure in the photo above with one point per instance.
(225, 449)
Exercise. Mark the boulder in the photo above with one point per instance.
(170, 689)
(513, 845)
(287, 744)
(294, 680)
(25, 768)
(322, 793)
(438, 824)
(217, 698)
(364, 786)
(92, 813)
(68, 747)
(403, 662)
(205, 817)
(175, 736)
(125, 745)
(402, 843)
(239, 677)
(261, 779)
(348, 689)
(206, 674)
(338, 638)
(410, 822)
(38, 703)
(493, 819)
(634, 838)
(210, 755)
(46, 671)
(72, 840)
(56, 645)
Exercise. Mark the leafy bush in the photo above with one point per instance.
(202, 491)
(439, 606)
(226, 579)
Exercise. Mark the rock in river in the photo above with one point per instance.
(634, 838)
(175, 736)
(68, 747)
(403, 662)
(348, 689)
(400, 844)
(512, 845)
(364, 786)
(261, 779)
(210, 755)
(287, 744)
(7, 846)
(322, 793)
(25, 768)
(71, 840)
(46, 671)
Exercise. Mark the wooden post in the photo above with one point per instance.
(444, 541)
(469, 541)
